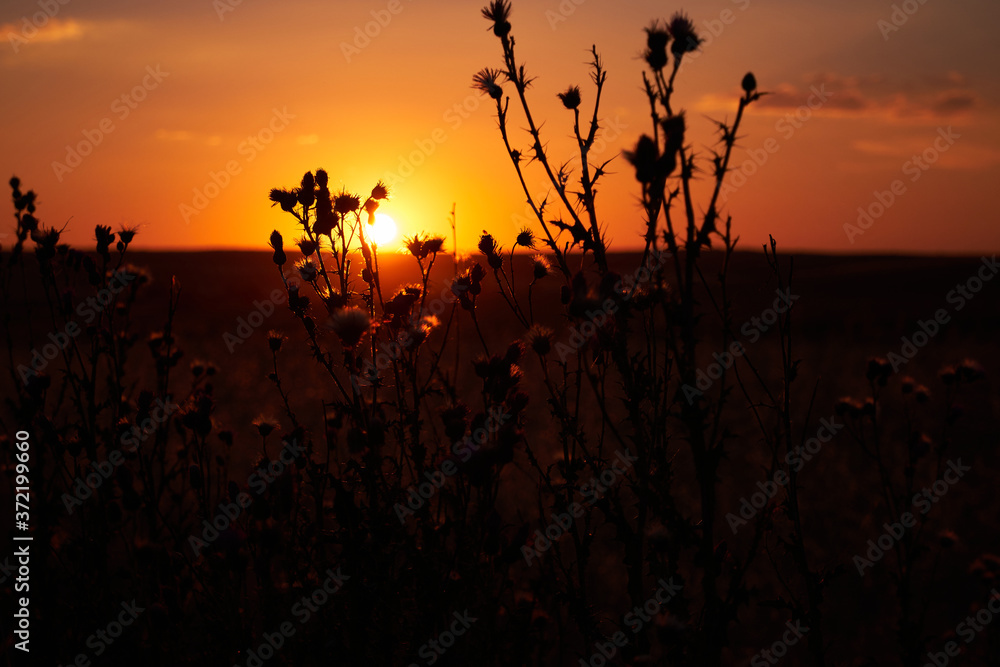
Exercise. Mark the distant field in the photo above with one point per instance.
(847, 309)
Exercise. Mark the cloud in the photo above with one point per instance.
(963, 156)
(307, 139)
(21, 33)
(173, 135)
(930, 98)
(179, 136)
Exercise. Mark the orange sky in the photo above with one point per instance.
(201, 79)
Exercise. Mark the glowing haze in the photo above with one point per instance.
(179, 117)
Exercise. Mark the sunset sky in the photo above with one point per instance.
(199, 79)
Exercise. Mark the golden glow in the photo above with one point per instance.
(383, 231)
(192, 164)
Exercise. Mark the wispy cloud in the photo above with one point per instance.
(173, 135)
(966, 156)
(932, 98)
(53, 30)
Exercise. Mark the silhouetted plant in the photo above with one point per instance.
(424, 483)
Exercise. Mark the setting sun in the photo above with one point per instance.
(383, 231)
(642, 264)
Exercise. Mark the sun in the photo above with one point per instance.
(383, 231)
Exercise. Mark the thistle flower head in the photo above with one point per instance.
(346, 203)
(498, 12)
(525, 238)
(422, 246)
(539, 339)
(487, 244)
(265, 426)
(402, 301)
(274, 340)
(673, 131)
(306, 246)
(848, 406)
(350, 325)
(920, 444)
(749, 83)
(657, 38)
(570, 98)
(947, 539)
(284, 198)
(644, 158)
(126, 234)
(307, 270)
(878, 371)
(540, 267)
(103, 235)
(682, 30)
(970, 370)
(415, 246)
(485, 80)
(278, 244)
(422, 328)
(134, 275)
(380, 191)
(429, 322)
(433, 245)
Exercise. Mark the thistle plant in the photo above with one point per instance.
(648, 342)
(559, 482)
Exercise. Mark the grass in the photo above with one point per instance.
(541, 441)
